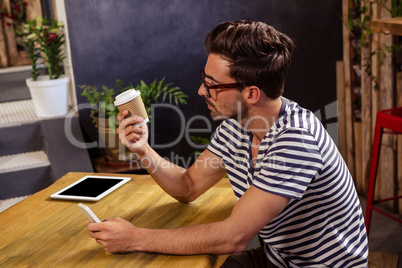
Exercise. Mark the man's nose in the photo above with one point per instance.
(202, 91)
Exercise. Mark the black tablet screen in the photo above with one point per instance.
(91, 187)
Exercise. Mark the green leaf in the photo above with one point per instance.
(150, 93)
(159, 86)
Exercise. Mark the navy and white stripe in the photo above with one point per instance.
(323, 225)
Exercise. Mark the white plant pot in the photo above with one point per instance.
(50, 97)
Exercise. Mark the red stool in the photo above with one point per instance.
(386, 119)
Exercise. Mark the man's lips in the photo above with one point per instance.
(210, 106)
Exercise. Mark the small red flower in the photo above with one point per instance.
(17, 7)
(50, 38)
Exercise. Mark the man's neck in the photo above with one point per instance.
(262, 116)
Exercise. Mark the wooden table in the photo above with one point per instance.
(41, 232)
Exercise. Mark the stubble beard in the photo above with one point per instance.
(237, 111)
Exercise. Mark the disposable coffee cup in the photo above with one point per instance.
(131, 101)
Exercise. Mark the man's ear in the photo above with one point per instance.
(253, 94)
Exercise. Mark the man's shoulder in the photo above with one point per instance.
(292, 107)
(292, 115)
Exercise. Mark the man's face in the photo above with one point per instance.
(224, 103)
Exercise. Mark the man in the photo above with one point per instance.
(293, 188)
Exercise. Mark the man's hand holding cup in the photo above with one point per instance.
(133, 130)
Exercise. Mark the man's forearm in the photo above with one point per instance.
(212, 238)
(173, 179)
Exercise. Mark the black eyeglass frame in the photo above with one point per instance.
(221, 86)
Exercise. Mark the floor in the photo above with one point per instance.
(385, 234)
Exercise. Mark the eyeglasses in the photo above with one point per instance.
(221, 86)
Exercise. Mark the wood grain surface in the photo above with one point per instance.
(391, 26)
(41, 232)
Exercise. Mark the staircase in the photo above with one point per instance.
(35, 152)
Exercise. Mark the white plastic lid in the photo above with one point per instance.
(126, 96)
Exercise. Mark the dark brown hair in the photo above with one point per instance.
(258, 54)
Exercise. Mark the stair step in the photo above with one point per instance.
(21, 138)
(17, 112)
(24, 182)
(23, 161)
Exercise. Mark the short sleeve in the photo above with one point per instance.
(289, 165)
(216, 143)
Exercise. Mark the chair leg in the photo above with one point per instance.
(373, 173)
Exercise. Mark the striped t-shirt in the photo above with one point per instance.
(322, 225)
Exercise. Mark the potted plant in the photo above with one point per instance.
(104, 112)
(43, 39)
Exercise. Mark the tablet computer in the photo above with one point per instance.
(90, 188)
